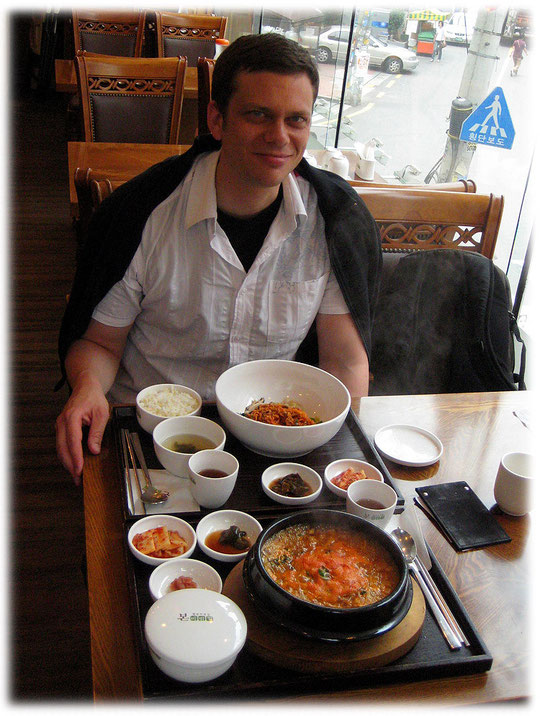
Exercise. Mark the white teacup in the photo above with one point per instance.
(373, 500)
(513, 484)
(212, 491)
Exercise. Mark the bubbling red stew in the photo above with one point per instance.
(330, 566)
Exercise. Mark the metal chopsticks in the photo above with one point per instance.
(131, 464)
(445, 609)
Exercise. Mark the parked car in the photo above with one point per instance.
(460, 28)
(391, 57)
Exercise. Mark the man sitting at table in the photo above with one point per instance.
(226, 254)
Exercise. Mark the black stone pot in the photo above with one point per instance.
(316, 621)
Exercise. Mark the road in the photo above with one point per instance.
(408, 112)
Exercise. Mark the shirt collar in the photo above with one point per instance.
(202, 202)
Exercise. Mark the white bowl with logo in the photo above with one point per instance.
(195, 635)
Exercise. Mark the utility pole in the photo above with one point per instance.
(475, 85)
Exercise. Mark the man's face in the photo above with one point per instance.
(266, 127)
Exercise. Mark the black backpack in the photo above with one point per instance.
(443, 324)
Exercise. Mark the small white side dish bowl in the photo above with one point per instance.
(148, 419)
(222, 520)
(172, 523)
(315, 391)
(195, 635)
(177, 462)
(281, 469)
(339, 466)
(202, 574)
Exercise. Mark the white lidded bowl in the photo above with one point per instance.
(281, 469)
(172, 523)
(177, 462)
(313, 390)
(222, 520)
(339, 466)
(194, 635)
(148, 419)
(203, 574)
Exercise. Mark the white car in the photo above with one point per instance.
(391, 57)
(460, 28)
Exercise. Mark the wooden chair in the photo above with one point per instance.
(205, 69)
(119, 33)
(131, 99)
(415, 219)
(192, 36)
(466, 185)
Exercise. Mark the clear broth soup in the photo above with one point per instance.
(188, 444)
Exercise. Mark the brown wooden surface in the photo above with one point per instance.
(476, 430)
(116, 161)
(283, 648)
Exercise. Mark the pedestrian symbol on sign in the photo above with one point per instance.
(490, 123)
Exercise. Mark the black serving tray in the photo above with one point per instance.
(248, 496)
(250, 676)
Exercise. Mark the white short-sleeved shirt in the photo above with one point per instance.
(195, 311)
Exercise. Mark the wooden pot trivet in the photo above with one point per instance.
(282, 647)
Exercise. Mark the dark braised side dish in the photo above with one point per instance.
(291, 485)
(235, 537)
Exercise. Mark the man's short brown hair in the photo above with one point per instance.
(269, 52)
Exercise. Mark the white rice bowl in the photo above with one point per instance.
(166, 400)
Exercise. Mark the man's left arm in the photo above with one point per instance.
(342, 352)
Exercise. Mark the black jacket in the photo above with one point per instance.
(116, 230)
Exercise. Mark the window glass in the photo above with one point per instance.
(380, 83)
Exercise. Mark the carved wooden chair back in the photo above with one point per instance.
(192, 36)
(415, 219)
(104, 32)
(205, 69)
(131, 99)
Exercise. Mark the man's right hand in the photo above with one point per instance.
(87, 406)
(91, 366)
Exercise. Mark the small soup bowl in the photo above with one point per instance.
(187, 426)
(218, 522)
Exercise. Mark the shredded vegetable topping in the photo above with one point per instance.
(279, 414)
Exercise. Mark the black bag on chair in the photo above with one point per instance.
(443, 324)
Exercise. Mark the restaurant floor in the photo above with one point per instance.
(49, 647)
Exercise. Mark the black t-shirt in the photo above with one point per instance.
(248, 235)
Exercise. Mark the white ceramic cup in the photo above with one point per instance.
(365, 168)
(513, 484)
(212, 492)
(372, 490)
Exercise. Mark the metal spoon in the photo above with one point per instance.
(150, 494)
(408, 547)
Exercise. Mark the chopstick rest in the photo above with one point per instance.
(461, 515)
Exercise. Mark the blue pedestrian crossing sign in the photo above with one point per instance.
(490, 123)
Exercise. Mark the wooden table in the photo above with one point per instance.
(118, 161)
(476, 430)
